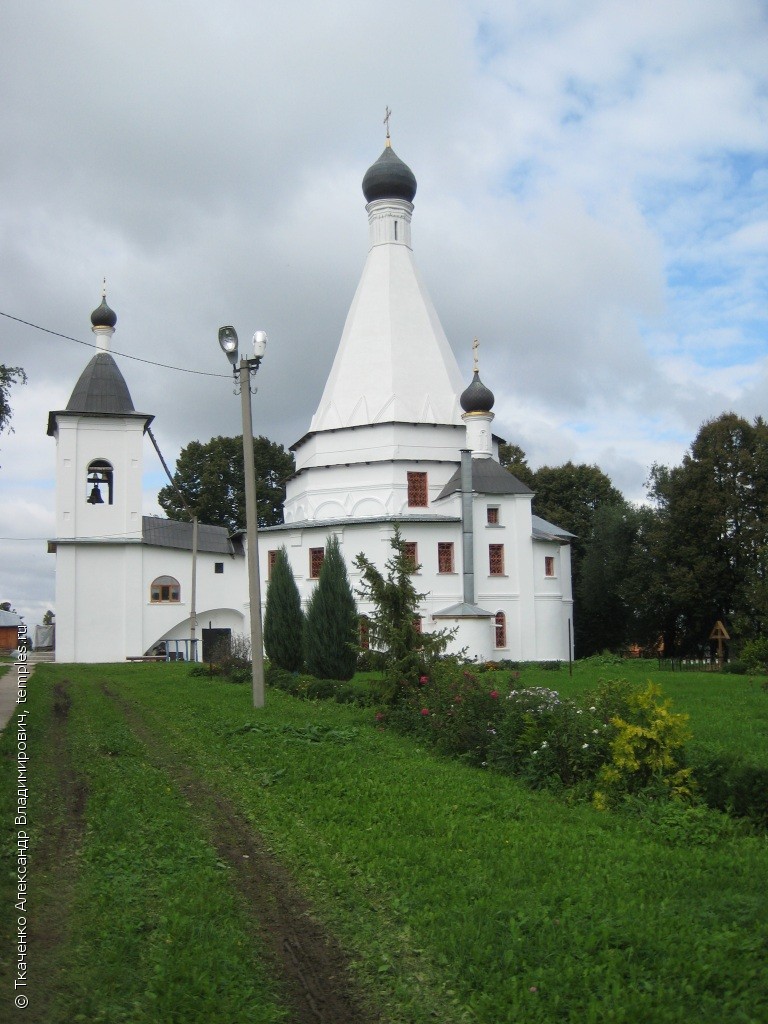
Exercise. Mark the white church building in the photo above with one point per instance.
(397, 438)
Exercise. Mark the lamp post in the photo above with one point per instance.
(242, 373)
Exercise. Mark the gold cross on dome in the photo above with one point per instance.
(475, 347)
(387, 115)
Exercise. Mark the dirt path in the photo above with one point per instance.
(309, 963)
(55, 857)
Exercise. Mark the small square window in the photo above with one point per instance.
(493, 515)
(496, 559)
(218, 567)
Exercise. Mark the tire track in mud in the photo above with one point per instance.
(311, 968)
(53, 859)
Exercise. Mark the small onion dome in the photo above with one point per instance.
(103, 316)
(389, 178)
(477, 397)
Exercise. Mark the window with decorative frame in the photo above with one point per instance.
(492, 515)
(316, 557)
(549, 565)
(496, 559)
(500, 627)
(418, 492)
(165, 590)
(445, 556)
(411, 554)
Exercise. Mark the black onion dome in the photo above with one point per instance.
(477, 397)
(389, 178)
(103, 316)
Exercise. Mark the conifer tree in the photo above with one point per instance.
(393, 631)
(283, 617)
(330, 625)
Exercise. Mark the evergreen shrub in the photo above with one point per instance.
(331, 624)
(283, 617)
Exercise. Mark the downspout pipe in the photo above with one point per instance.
(467, 529)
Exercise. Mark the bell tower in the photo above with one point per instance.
(99, 462)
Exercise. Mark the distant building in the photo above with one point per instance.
(9, 631)
(397, 438)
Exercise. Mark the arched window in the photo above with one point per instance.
(99, 482)
(500, 625)
(165, 590)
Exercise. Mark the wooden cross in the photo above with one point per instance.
(475, 347)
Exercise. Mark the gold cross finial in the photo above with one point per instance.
(104, 289)
(387, 115)
(475, 347)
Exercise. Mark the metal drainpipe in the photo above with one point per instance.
(467, 532)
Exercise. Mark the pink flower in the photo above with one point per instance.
(423, 680)
(379, 716)
(533, 988)
(425, 711)
(494, 694)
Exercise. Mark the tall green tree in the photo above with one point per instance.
(392, 626)
(604, 608)
(9, 375)
(283, 617)
(713, 513)
(514, 460)
(571, 496)
(212, 478)
(331, 622)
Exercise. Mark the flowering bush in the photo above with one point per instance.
(454, 709)
(548, 739)
(612, 742)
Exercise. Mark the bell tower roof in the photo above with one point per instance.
(101, 389)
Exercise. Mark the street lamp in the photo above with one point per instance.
(242, 372)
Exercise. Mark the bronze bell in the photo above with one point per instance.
(95, 497)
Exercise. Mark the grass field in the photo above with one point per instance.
(176, 830)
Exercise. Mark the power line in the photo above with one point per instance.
(114, 352)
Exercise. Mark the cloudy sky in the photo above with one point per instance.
(592, 183)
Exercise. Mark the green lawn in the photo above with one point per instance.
(459, 895)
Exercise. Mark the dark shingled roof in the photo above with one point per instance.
(167, 533)
(101, 388)
(488, 477)
(542, 530)
(307, 524)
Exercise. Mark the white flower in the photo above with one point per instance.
(594, 732)
(584, 746)
(544, 745)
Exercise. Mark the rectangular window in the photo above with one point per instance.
(411, 552)
(549, 565)
(418, 626)
(271, 559)
(445, 556)
(493, 515)
(496, 559)
(417, 490)
(500, 623)
(316, 556)
(218, 567)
